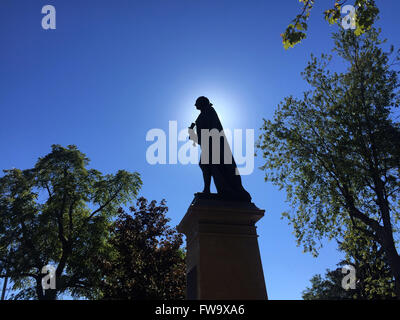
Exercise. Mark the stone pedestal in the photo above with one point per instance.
(223, 258)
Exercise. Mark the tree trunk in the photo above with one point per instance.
(393, 261)
(3, 293)
(386, 236)
(50, 294)
(39, 289)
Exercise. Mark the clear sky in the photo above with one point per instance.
(112, 70)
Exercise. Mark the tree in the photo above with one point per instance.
(328, 288)
(373, 277)
(366, 14)
(148, 263)
(58, 213)
(336, 151)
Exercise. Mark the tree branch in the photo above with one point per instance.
(105, 204)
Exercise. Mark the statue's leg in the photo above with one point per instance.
(206, 169)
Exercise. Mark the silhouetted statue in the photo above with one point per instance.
(222, 168)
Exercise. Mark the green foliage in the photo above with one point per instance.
(366, 14)
(330, 287)
(336, 151)
(373, 277)
(148, 262)
(58, 213)
(295, 32)
(327, 288)
(375, 280)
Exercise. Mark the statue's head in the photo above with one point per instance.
(202, 103)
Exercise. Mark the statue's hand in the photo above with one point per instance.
(193, 136)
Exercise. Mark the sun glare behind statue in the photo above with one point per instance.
(225, 104)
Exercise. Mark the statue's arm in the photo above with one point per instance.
(193, 136)
(198, 132)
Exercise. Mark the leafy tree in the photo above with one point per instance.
(148, 263)
(58, 213)
(336, 151)
(366, 14)
(328, 288)
(373, 277)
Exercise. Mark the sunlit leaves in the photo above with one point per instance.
(295, 32)
(366, 14)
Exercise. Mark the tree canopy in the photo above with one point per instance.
(336, 150)
(58, 213)
(147, 262)
(373, 279)
(366, 14)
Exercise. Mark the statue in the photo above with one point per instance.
(222, 168)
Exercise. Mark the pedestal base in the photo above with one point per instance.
(223, 258)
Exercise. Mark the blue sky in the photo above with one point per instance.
(113, 70)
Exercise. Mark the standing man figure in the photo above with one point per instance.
(222, 167)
